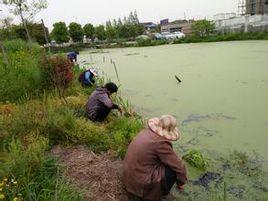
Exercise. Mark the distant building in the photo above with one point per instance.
(256, 7)
(245, 23)
(164, 22)
(183, 26)
(149, 26)
(224, 16)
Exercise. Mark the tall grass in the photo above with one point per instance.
(21, 77)
(36, 174)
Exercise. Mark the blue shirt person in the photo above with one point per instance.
(87, 78)
(72, 56)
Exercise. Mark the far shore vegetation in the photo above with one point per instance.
(116, 33)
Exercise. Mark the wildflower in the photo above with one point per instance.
(2, 196)
(16, 199)
(5, 179)
(15, 182)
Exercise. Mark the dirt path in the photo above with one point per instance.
(98, 175)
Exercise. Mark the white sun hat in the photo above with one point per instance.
(165, 126)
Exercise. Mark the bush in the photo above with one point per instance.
(57, 73)
(17, 45)
(144, 42)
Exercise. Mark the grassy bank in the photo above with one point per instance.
(34, 117)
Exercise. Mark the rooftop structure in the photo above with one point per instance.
(149, 25)
(253, 7)
(183, 26)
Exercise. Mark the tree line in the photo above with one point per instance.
(128, 28)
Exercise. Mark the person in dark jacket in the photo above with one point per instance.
(87, 78)
(100, 104)
(151, 167)
(72, 56)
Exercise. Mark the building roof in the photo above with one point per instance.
(178, 21)
(147, 23)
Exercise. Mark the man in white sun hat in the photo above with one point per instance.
(87, 77)
(151, 167)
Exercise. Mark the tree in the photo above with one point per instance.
(26, 10)
(203, 28)
(37, 33)
(120, 23)
(89, 31)
(136, 19)
(100, 32)
(60, 32)
(108, 23)
(5, 28)
(111, 32)
(76, 32)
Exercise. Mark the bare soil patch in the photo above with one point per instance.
(99, 176)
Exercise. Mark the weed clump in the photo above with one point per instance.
(196, 159)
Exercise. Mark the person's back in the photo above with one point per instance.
(99, 104)
(72, 56)
(151, 166)
(144, 166)
(87, 78)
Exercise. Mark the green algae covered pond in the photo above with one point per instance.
(221, 104)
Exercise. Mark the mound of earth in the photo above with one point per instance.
(98, 175)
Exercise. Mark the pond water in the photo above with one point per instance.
(221, 103)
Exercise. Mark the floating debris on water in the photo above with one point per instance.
(197, 118)
(178, 79)
(237, 191)
(132, 54)
(148, 96)
(260, 186)
(207, 178)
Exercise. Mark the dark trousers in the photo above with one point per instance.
(170, 179)
(101, 114)
(167, 184)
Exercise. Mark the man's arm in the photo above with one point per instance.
(169, 158)
(107, 101)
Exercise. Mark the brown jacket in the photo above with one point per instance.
(144, 165)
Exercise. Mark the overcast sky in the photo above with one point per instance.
(98, 11)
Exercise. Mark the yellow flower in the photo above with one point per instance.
(15, 182)
(1, 189)
(5, 179)
(15, 199)
(2, 196)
